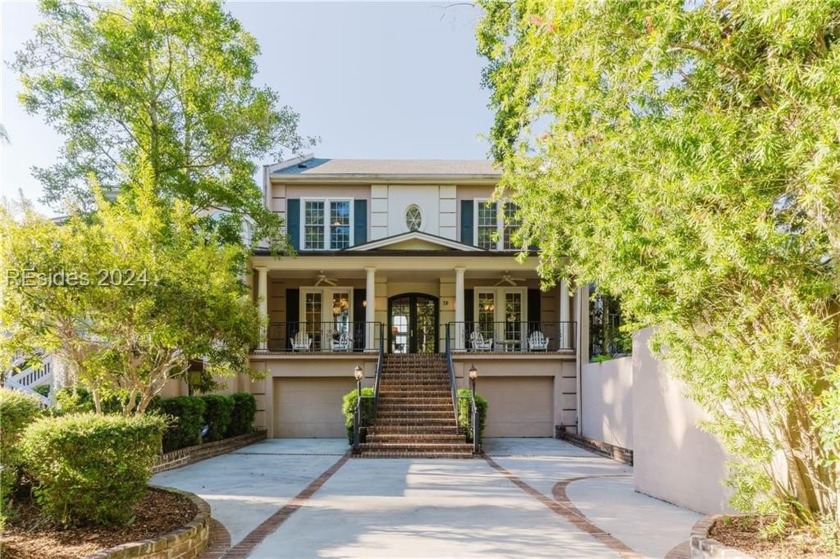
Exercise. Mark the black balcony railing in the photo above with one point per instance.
(511, 336)
(336, 337)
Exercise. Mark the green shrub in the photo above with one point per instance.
(90, 469)
(217, 412)
(78, 399)
(43, 390)
(465, 414)
(17, 411)
(348, 406)
(242, 417)
(185, 417)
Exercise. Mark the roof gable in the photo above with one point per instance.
(414, 240)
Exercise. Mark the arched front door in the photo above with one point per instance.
(413, 323)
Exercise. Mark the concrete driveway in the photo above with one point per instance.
(528, 498)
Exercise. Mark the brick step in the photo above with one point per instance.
(414, 400)
(418, 414)
(415, 377)
(431, 455)
(417, 447)
(418, 422)
(411, 438)
(440, 389)
(403, 429)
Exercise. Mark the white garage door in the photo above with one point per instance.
(518, 407)
(309, 407)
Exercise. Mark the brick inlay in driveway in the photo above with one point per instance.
(270, 524)
(563, 507)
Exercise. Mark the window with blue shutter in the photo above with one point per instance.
(293, 222)
(360, 224)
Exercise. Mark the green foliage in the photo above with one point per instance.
(348, 408)
(90, 469)
(683, 156)
(242, 416)
(140, 324)
(43, 390)
(217, 415)
(17, 411)
(164, 84)
(465, 413)
(187, 419)
(78, 399)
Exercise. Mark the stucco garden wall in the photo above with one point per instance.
(673, 459)
(607, 401)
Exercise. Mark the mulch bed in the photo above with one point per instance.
(745, 534)
(29, 536)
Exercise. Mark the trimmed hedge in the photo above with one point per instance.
(348, 406)
(90, 469)
(217, 413)
(465, 414)
(186, 415)
(17, 411)
(243, 414)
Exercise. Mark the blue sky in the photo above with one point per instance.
(372, 79)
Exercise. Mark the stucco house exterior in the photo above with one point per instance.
(405, 257)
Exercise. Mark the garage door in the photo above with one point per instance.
(309, 407)
(518, 407)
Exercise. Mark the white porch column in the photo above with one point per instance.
(565, 329)
(458, 342)
(370, 310)
(262, 303)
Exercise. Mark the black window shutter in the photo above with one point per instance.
(293, 221)
(360, 222)
(534, 309)
(359, 316)
(469, 305)
(467, 207)
(292, 315)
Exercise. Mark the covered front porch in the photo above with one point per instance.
(402, 303)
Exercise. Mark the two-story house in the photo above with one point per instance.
(405, 257)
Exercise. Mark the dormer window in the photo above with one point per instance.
(327, 224)
(413, 218)
(495, 225)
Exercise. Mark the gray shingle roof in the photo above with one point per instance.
(317, 167)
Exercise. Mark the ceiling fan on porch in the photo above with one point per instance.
(322, 278)
(508, 279)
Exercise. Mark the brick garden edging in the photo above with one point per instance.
(705, 547)
(186, 542)
(190, 454)
(619, 453)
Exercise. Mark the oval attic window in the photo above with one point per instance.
(413, 218)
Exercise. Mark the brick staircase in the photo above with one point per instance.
(415, 417)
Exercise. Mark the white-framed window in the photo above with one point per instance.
(326, 314)
(327, 223)
(495, 225)
(413, 217)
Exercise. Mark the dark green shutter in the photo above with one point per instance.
(292, 316)
(359, 317)
(293, 222)
(360, 225)
(534, 309)
(467, 222)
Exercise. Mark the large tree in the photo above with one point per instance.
(168, 83)
(126, 297)
(685, 156)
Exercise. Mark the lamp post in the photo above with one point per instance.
(358, 373)
(474, 375)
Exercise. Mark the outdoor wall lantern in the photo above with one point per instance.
(473, 376)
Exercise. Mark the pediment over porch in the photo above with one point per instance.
(414, 240)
